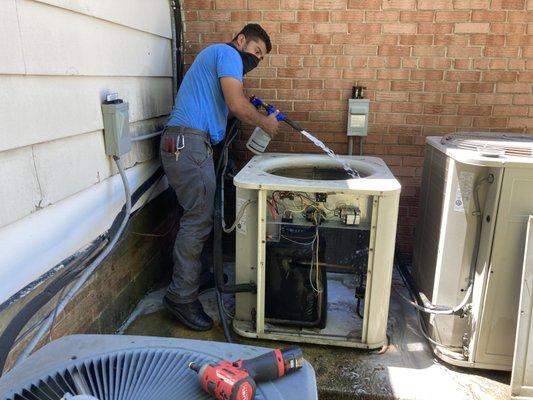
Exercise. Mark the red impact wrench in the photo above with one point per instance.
(237, 380)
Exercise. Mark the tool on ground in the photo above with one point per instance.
(259, 139)
(237, 380)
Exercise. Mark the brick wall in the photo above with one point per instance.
(431, 67)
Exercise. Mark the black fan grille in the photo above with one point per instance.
(128, 375)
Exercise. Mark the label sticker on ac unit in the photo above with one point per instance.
(458, 204)
(241, 224)
(464, 191)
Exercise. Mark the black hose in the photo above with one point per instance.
(412, 287)
(220, 303)
(231, 131)
(218, 256)
(15, 326)
(179, 39)
(9, 335)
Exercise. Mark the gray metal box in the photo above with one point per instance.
(116, 129)
(358, 117)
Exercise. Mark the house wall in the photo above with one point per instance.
(431, 67)
(137, 264)
(58, 60)
(58, 189)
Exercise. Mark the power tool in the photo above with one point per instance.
(237, 380)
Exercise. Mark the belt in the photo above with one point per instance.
(173, 130)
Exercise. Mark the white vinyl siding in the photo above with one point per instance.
(58, 60)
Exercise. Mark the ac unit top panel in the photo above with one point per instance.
(486, 149)
(260, 173)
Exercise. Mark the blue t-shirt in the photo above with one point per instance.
(200, 103)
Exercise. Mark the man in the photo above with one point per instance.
(211, 88)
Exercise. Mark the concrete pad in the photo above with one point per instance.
(406, 369)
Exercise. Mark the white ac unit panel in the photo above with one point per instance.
(455, 247)
(522, 377)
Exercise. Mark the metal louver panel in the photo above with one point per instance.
(121, 367)
(516, 145)
(138, 374)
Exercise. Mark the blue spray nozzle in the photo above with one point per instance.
(257, 102)
(270, 109)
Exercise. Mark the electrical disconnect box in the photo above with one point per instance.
(358, 117)
(116, 126)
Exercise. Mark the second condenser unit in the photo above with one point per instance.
(477, 195)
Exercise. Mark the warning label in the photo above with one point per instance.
(464, 191)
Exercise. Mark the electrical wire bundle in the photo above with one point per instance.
(277, 205)
(312, 211)
(315, 261)
(278, 198)
(409, 285)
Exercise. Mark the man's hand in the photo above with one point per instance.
(240, 106)
(271, 124)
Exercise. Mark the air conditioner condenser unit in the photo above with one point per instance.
(477, 194)
(319, 246)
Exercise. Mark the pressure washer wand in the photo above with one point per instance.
(259, 139)
(269, 108)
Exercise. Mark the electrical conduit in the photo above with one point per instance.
(87, 273)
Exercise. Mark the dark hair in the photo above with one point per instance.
(254, 32)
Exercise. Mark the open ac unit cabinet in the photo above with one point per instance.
(456, 247)
(325, 282)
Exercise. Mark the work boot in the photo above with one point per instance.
(192, 315)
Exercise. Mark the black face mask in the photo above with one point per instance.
(249, 61)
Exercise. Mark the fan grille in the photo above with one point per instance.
(128, 375)
(515, 145)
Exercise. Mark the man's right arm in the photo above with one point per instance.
(241, 107)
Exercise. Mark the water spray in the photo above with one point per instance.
(259, 139)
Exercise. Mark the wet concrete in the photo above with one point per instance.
(406, 369)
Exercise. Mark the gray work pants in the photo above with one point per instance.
(192, 176)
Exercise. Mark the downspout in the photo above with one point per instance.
(176, 23)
